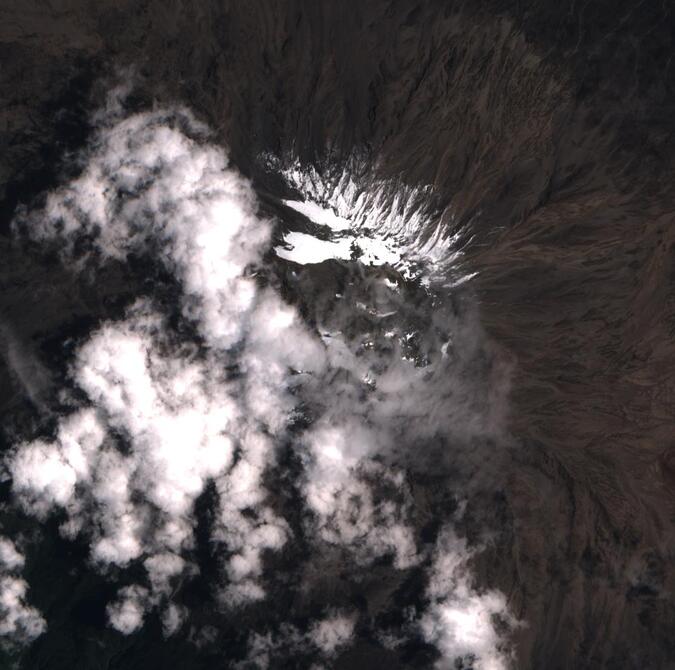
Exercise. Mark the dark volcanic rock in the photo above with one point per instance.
(546, 131)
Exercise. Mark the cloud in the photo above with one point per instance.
(44, 474)
(127, 612)
(159, 416)
(153, 185)
(323, 640)
(19, 622)
(459, 620)
(358, 503)
(10, 557)
(332, 633)
(173, 619)
(153, 182)
(128, 467)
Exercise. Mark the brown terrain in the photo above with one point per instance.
(546, 131)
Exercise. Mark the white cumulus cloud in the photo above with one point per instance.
(460, 621)
(19, 622)
(157, 419)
